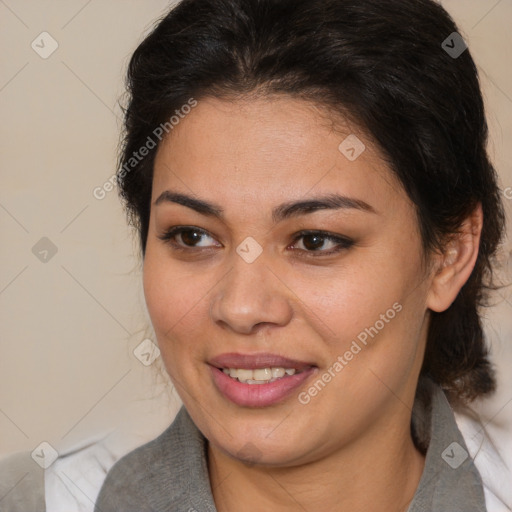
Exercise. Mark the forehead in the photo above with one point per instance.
(271, 149)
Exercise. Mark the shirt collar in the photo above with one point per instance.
(450, 480)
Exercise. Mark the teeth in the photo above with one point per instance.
(242, 375)
(278, 372)
(262, 374)
(258, 375)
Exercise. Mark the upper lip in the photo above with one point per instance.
(254, 361)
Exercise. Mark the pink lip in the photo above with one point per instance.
(258, 395)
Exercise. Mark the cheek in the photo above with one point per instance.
(347, 301)
(376, 302)
(176, 299)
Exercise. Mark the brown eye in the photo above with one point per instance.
(189, 236)
(313, 241)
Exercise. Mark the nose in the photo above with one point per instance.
(251, 297)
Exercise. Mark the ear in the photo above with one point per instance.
(454, 266)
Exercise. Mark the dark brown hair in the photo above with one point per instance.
(384, 64)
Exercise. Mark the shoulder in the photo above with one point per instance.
(486, 444)
(21, 484)
(134, 467)
(136, 480)
(450, 479)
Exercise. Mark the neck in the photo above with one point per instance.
(383, 466)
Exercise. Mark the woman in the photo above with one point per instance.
(317, 216)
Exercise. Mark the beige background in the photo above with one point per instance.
(69, 325)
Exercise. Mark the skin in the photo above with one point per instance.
(350, 447)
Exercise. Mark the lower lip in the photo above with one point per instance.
(259, 395)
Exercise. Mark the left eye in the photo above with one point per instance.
(314, 240)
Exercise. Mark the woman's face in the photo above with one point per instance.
(242, 290)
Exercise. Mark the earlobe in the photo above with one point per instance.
(455, 265)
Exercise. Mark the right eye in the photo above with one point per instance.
(189, 235)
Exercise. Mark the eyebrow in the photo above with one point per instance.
(279, 213)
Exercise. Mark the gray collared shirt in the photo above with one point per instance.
(170, 473)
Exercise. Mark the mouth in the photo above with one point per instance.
(258, 380)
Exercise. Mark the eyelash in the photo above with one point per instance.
(342, 242)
